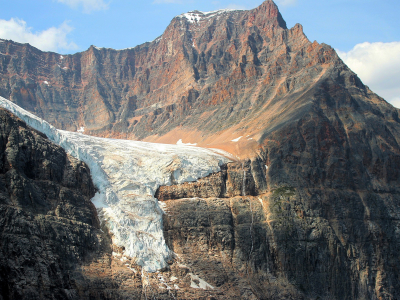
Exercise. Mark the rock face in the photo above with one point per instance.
(288, 242)
(51, 245)
(48, 223)
(229, 182)
(208, 79)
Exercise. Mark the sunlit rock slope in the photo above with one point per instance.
(209, 79)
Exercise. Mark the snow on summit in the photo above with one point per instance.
(127, 175)
(196, 16)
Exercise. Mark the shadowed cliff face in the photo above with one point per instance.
(51, 245)
(314, 214)
(48, 223)
(296, 241)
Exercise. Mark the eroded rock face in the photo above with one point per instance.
(48, 223)
(234, 179)
(323, 225)
(289, 246)
(51, 244)
(207, 81)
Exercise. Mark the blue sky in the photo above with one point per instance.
(366, 33)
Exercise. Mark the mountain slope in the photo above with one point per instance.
(209, 79)
(49, 226)
(311, 210)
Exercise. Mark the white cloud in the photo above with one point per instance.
(51, 39)
(286, 2)
(87, 5)
(378, 66)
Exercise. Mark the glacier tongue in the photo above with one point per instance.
(127, 175)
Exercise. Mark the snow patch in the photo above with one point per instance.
(61, 57)
(219, 11)
(238, 139)
(262, 203)
(163, 206)
(197, 16)
(127, 175)
(157, 40)
(187, 144)
(198, 283)
(81, 130)
(192, 17)
(224, 153)
(46, 82)
(162, 281)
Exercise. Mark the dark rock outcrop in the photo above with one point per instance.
(291, 243)
(51, 244)
(234, 179)
(325, 222)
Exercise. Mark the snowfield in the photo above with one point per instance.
(127, 175)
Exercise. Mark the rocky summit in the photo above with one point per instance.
(209, 79)
(307, 208)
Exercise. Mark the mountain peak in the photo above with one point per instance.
(195, 16)
(265, 14)
(269, 11)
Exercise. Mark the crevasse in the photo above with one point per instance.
(127, 175)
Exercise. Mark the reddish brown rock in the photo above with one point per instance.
(228, 75)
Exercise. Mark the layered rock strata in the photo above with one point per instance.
(209, 79)
(51, 244)
(234, 179)
(325, 225)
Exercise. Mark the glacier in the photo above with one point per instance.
(127, 174)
